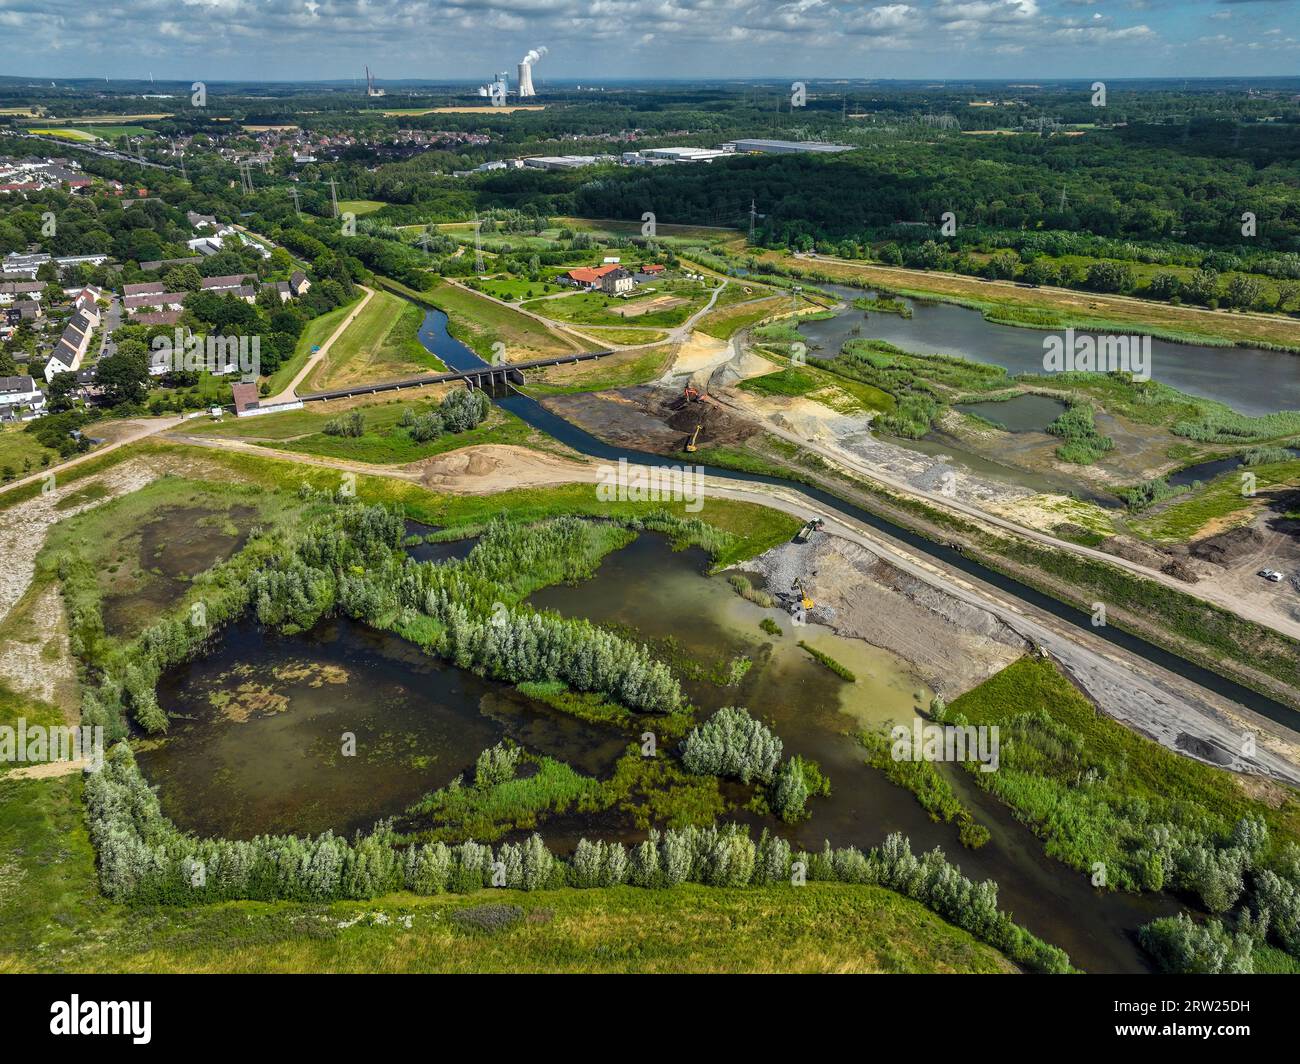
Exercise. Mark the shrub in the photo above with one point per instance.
(1180, 945)
(732, 743)
(352, 424)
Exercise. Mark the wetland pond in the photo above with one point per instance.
(176, 544)
(1251, 380)
(256, 742)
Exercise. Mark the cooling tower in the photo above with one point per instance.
(526, 80)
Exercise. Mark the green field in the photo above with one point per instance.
(20, 451)
(381, 344)
(317, 331)
(596, 308)
(1052, 737)
(479, 323)
(622, 370)
(514, 289)
(385, 442)
(1221, 499)
(360, 207)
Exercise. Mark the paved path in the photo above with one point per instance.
(290, 394)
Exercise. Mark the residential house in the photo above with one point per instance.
(298, 283)
(149, 302)
(617, 282)
(588, 277)
(20, 395)
(220, 284)
(144, 288)
(246, 398)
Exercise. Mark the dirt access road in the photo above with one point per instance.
(1215, 594)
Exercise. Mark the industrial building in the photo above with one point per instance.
(658, 156)
(566, 162)
(785, 147)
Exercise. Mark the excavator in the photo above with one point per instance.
(691, 447)
(802, 598)
(691, 393)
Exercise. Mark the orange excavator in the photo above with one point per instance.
(692, 394)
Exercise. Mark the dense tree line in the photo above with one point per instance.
(143, 859)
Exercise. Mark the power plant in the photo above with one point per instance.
(526, 71)
(370, 85)
(497, 88)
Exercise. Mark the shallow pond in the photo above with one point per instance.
(665, 594)
(451, 550)
(256, 743)
(1207, 471)
(1024, 413)
(175, 545)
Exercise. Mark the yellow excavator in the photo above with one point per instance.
(805, 600)
(691, 447)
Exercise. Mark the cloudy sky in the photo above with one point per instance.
(593, 39)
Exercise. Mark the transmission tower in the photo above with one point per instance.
(478, 244)
(753, 217)
(297, 208)
(334, 197)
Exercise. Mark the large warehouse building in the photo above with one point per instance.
(785, 147)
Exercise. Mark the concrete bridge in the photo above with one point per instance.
(484, 376)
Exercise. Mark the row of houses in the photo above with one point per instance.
(149, 302)
(16, 265)
(75, 341)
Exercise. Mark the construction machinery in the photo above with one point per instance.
(801, 597)
(691, 447)
(808, 529)
(692, 394)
